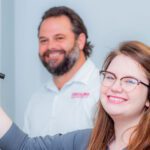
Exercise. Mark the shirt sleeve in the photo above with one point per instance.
(15, 139)
(26, 120)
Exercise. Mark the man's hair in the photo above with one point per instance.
(77, 24)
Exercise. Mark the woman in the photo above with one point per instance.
(124, 116)
(123, 120)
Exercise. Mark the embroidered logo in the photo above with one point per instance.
(80, 95)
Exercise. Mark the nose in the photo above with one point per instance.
(48, 44)
(52, 45)
(116, 87)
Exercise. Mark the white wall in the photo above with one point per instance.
(108, 23)
(0, 49)
(7, 56)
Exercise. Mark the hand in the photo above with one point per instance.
(5, 123)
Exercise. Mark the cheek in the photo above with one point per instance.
(139, 96)
(103, 90)
(143, 93)
(42, 49)
(103, 98)
(103, 93)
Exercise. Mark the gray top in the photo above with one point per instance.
(15, 139)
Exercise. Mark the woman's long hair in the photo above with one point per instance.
(103, 132)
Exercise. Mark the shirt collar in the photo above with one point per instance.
(50, 85)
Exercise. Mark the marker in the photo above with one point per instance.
(2, 76)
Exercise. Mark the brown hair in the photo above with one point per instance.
(103, 131)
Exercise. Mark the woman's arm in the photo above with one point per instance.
(5, 123)
(12, 138)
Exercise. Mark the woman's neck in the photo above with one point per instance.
(123, 131)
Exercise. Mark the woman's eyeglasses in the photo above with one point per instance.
(127, 83)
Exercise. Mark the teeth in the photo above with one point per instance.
(115, 99)
(56, 54)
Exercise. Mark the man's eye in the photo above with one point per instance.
(43, 41)
(60, 38)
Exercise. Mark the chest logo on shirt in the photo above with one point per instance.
(76, 95)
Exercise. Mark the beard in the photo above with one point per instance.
(65, 65)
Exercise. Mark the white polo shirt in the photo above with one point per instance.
(51, 111)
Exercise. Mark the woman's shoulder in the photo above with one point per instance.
(76, 140)
(16, 139)
(79, 133)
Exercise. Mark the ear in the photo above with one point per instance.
(81, 41)
(147, 104)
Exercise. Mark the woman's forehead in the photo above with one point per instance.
(123, 65)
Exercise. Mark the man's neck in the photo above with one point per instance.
(60, 81)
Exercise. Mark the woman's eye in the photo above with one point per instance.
(108, 77)
(130, 81)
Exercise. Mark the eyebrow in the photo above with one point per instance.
(58, 34)
(127, 76)
(42, 37)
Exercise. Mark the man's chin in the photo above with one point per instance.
(54, 64)
(55, 72)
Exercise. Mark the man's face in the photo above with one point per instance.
(63, 66)
(58, 48)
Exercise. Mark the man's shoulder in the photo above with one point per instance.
(88, 71)
(91, 63)
(41, 93)
(43, 88)
(91, 75)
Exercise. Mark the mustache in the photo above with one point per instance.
(48, 51)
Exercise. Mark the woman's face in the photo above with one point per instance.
(118, 99)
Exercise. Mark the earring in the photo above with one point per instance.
(147, 104)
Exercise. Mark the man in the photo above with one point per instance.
(68, 100)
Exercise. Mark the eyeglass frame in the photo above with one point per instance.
(138, 81)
